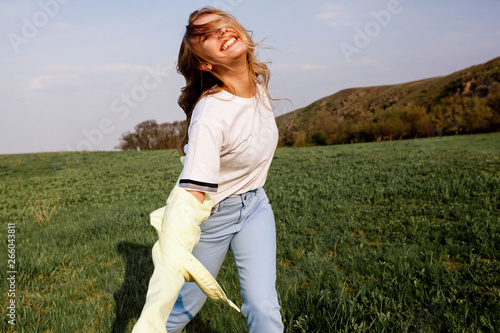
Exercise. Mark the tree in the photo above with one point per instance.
(319, 138)
(149, 135)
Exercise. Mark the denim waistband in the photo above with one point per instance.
(240, 199)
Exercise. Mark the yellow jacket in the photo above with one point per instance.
(178, 228)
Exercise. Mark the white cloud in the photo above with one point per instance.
(63, 25)
(327, 16)
(336, 16)
(94, 75)
(43, 82)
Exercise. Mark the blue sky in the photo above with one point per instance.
(76, 75)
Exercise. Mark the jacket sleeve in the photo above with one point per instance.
(177, 225)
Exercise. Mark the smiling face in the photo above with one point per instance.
(219, 43)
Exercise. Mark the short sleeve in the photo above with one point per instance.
(202, 162)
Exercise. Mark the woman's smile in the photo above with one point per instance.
(228, 43)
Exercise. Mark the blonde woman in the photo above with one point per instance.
(232, 136)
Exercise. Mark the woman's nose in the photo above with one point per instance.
(222, 32)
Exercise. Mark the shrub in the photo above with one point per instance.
(301, 140)
(319, 138)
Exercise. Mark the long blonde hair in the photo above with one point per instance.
(201, 83)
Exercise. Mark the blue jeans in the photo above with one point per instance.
(244, 225)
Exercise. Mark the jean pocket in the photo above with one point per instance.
(215, 209)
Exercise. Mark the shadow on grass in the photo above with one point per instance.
(197, 326)
(131, 296)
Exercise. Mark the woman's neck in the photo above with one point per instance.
(238, 82)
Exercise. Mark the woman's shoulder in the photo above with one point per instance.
(211, 107)
(218, 99)
(207, 111)
(208, 101)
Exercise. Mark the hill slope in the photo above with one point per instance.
(467, 101)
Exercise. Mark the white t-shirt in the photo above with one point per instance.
(231, 145)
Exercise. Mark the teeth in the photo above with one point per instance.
(228, 43)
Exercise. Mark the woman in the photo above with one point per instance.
(232, 136)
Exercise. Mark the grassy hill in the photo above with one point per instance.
(400, 236)
(467, 101)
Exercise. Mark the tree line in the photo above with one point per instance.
(149, 135)
(467, 105)
(455, 114)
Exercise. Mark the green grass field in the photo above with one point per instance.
(399, 236)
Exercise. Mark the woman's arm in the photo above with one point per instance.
(198, 195)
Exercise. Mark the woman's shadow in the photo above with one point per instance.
(131, 296)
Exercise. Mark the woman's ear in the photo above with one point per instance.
(205, 67)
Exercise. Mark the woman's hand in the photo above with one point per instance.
(198, 195)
